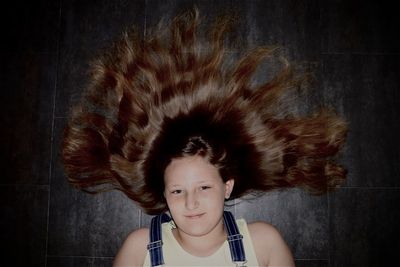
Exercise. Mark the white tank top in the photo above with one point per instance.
(175, 255)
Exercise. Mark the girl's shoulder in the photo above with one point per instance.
(134, 249)
(264, 229)
(269, 245)
(138, 236)
(264, 236)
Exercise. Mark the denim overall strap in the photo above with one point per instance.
(155, 245)
(234, 239)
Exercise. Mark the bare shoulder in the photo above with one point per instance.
(269, 245)
(264, 233)
(133, 250)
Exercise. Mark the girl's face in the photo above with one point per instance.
(195, 194)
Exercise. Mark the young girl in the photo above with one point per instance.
(195, 193)
(167, 122)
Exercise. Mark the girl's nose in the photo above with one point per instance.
(191, 201)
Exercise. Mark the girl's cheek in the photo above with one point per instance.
(174, 199)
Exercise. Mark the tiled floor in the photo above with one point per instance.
(354, 48)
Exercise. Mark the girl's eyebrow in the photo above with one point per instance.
(199, 182)
(205, 182)
(173, 185)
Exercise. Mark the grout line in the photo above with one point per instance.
(329, 228)
(145, 19)
(140, 218)
(321, 40)
(234, 208)
(45, 186)
(360, 53)
(80, 257)
(305, 259)
(52, 132)
(369, 187)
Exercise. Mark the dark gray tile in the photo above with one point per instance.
(28, 86)
(364, 227)
(364, 89)
(145, 219)
(24, 222)
(302, 220)
(292, 25)
(157, 10)
(92, 25)
(85, 224)
(87, 29)
(359, 27)
(209, 12)
(78, 261)
(30, 25)
(311, 263)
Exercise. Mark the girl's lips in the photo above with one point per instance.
(194, 216)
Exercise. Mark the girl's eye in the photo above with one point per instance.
(176, 192)
(205, 187)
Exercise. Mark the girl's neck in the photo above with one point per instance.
(201, 246)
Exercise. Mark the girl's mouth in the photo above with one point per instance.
(194, 216)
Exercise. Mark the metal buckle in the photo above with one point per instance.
(154, 245)
(240, 263)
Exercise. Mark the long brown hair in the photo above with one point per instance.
(171, 95)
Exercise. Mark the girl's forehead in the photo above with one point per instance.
(191, 168)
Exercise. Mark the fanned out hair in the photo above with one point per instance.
(170, 95)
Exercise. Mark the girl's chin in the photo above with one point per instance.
(199, 232)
